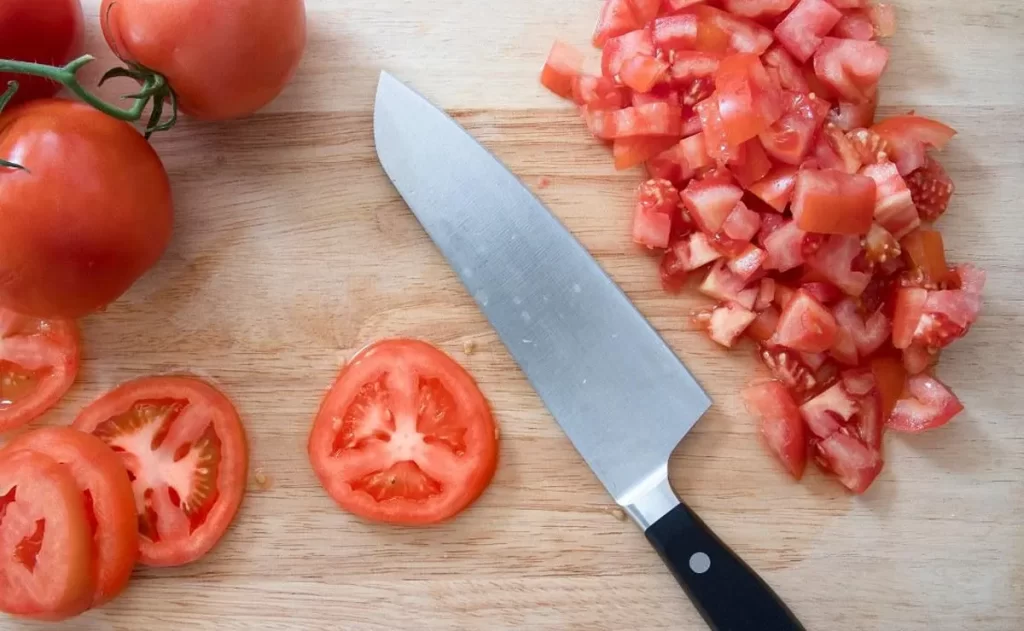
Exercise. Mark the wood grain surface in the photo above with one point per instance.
(292, 250)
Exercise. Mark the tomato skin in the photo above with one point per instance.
(225, 58)
(344, 454)
(60, 586)
(833, 202)
(149, 463)
(42, 31)
(90, 215)
(30, 344)
(780, 424)
(98, 471)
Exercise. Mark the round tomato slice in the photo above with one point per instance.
(38, 364)
(186, 454)
(45, 561)
(404, 436)
(107, 494)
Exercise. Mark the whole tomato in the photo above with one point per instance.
(223, 58)
(86, 217)
(43, 31)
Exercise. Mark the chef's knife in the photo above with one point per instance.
(619, 392)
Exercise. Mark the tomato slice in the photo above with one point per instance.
(186, 454)
(563, 65)
(851, 67)
(908, 136)
(927, 404)
(106, 493)
(780, 424)
(801, 31)
(806, 325)
(45, 551)
(833, 202)
(930, 187)
(38, 364)
(404, 436)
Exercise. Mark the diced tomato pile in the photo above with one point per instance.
(809, 221)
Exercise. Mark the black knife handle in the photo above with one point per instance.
(728, 594)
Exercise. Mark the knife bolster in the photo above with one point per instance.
(650, 499)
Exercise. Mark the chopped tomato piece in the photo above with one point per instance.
(918, 358)
(844, 350)
(788, 367)
(645, 10)
(599, 93)
(748, 262)
(710, 203)
(780, 424)
(801, 31)
(869, 334)
(624, 47)
(908, 137)
(972, 279)
(742, 223)
(641, 72)
(721, 284)
(658, 196)
(725, 323)
(764, 325)
(757, 9)
(890, 377)
(747, 101)
(681, 161)
(833, 202)
(765, 294)
(894, 204)
(715, 140)
(910, 303)
(825, 293)
(850, 116)
(948, 315)
(925, 252)
(790, 138)
(675, 32)
(855, 464)
(880, 246)
(844, 155)
(564, 64)
(776, 188)
(850, 67)
(837, 262)
(630, 152)
(826, 413)
(654, 119)
(692, 252)
(883, 19)
(651, 230)
(741, 35)
(617, 18)
(929, 404)
(788, 247)
(806, 325)
(930, 187)
(855, 25)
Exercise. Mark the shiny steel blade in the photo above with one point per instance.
(618, 391)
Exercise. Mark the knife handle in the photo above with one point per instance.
(728, 594)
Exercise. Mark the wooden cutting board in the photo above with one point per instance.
(292, 250)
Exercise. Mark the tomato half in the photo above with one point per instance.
(38, 364)
(224, 59)
(107, 497)
(89, 215)
(41, 31)
(404, 436)
(186, 454)
(45, 551)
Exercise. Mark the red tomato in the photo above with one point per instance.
(780, 424)
(925, 252)
(851, 67)
(624, 47)
(788, 247)
(106, 493)
(715, 139)
(883, 19)
(790, 138)
(721, 284)
(880, 247)
(927, 404)
(891, 378)
(930, 187)
(747, 101)
(894, 203)
(38, 364)
(737, 34)
(563, 65)
(89, 215)
(790, 76)
(837, 262)
(599, 93)
(617, 17)
(710, 203)
(868, 333)
(910, 303)
(185, 450)
(694, 251)
(907, 137)
(641, 73)
(833, 202)
(855, 464)
(224, 59)
(630, 152)
(855, 25)
(675, 32)
(45, 557)
(849, 116)
(742, 224)
(802, 30)
(806, 325)
(748, 262)
(41, 31)
(776, 188)
(725, 323)
(657, 202)
(404, 436)
(654, 119)
(757, 9)
(764, 325)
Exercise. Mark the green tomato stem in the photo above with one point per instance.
(65, 75)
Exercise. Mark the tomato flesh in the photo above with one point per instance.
(185, 451)
(404, 436)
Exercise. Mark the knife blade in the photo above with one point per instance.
(622, 396)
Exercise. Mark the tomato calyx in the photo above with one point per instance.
(154, 88)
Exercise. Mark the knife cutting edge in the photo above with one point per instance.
(562, 318)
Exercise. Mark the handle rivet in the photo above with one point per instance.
(700, 562)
